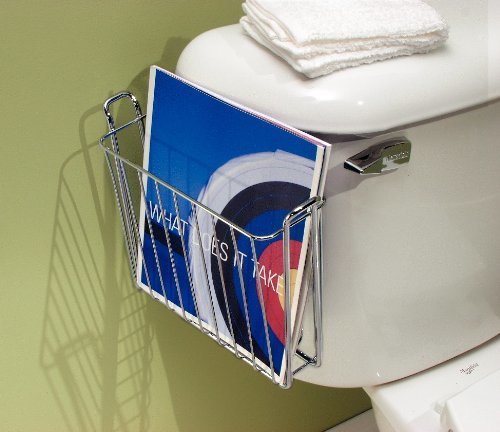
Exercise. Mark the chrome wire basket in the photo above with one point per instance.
(130, 182)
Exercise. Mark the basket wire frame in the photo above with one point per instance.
(124, 172)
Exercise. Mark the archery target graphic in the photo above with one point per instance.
(271, 276)
(255, 192)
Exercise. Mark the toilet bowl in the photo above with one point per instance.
(411, 230)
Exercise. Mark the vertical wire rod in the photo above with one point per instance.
(130, 205)
(151, 234)
(186, 261)
(130, 251)
(138, 114)
(135, 225)
(143, 258)
(170, 252)
(223, 283)
(138, 239)
(318, 283)
(194, 212)
(263, 309)
(122, 180)
(288, 305)
(244, 295)
(120, 185)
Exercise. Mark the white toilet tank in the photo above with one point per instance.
(411, 256)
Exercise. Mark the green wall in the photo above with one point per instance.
(81, 349)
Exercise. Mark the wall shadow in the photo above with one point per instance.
(97, 334)
(96, 341)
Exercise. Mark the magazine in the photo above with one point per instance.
(250, 169)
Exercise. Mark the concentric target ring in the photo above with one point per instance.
(254, 192)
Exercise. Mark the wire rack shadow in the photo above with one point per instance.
(129, 180)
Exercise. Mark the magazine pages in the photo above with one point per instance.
(253, 171)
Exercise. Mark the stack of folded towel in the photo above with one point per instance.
(318, 37)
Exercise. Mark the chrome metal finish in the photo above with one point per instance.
(318, 283)
(288, 298)
(125, 174)
(243, 294)
(263, 308)
(194, 292)
(385, 156)
(170, 252)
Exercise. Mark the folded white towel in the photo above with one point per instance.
(325, 63)
(320, 36)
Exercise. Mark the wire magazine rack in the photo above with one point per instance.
(129, 179)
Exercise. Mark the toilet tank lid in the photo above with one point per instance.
(366, 99)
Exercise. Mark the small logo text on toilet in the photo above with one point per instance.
(469, 369)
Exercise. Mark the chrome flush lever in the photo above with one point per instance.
(385, 156)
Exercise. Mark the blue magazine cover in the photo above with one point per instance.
(248, 168)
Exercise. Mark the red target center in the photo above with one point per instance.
(272, 283)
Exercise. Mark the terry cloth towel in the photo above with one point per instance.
(318, 37)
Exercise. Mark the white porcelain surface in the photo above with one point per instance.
(477, 408)
(411, 257)
(460, 395)
(370, 98)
